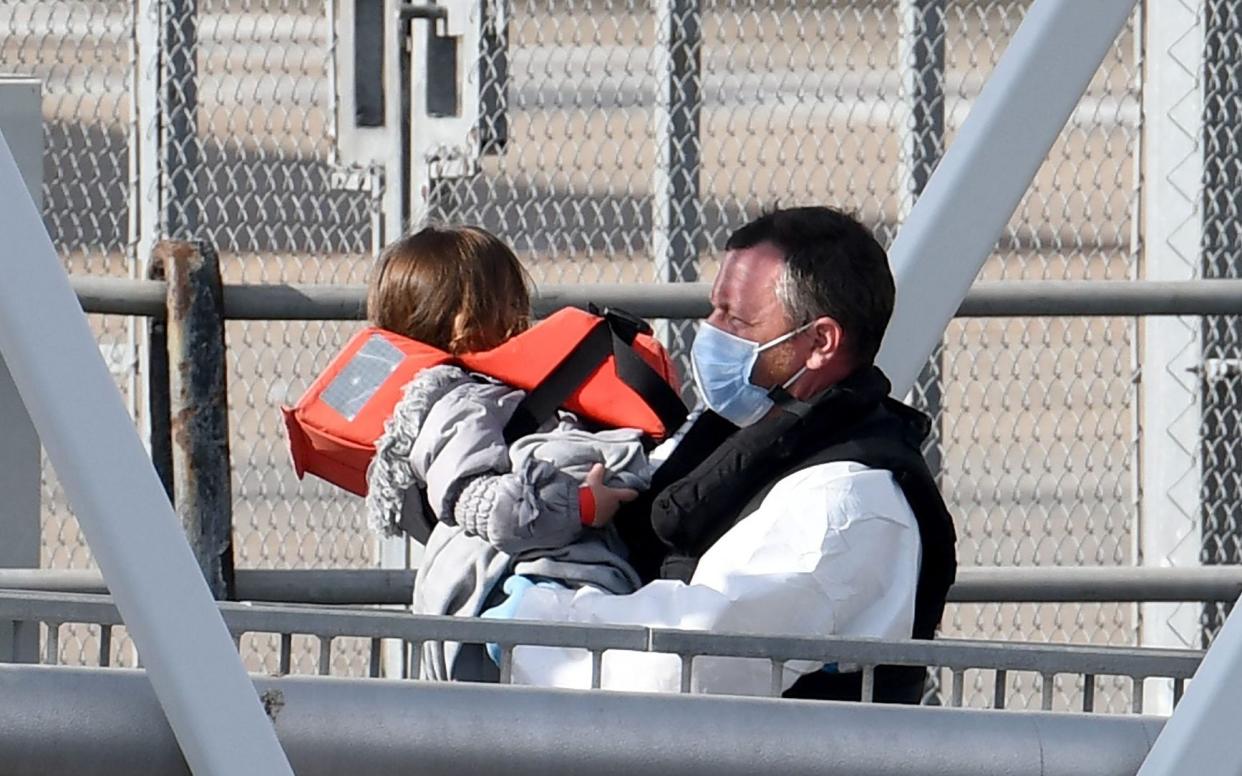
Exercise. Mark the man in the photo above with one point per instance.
(798, 503)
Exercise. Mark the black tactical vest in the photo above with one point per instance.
(719, 474)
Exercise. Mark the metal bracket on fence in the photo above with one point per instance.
(409, 11)
(198, 406)
(1216, 370)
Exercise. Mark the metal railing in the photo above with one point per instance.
(1049, 584)
(987, 299)
(157, 300)
(151, 298)
(29, 609)
(93, 722)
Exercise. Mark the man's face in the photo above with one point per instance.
(744, 303)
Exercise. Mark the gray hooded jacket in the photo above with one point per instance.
(500, 509)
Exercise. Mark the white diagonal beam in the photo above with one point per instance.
(193, 665)
(1202, 735)
(953, 227)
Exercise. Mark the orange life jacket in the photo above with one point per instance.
(608, 369)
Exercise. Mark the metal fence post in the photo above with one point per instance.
(21, 125)
(198, 404)
(1221, 373)
(20, 510)
(144, 198)
(181, 156)
(922, 62)
(159, 411)
(1169, 521)
(677, 222)
(494, 77)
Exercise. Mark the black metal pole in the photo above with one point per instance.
(157, 390)
(925, 145)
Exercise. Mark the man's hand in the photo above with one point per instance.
(605, 499)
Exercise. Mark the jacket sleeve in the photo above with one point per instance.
(533, 508)
(536, 505)
(784, 570)
(413, 442)
(473, 481)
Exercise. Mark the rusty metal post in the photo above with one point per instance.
(198, 404)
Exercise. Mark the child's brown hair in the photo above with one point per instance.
(457, 288)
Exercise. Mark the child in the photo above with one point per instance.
(539, 507)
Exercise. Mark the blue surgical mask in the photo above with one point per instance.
(722, 363)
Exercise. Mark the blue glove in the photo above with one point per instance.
(515, 587)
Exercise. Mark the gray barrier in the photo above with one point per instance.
(958, 656)
(97, 723)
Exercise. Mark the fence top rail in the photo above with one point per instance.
(987, 299)
(1044, 584)
(956, 654)
(1062, 584)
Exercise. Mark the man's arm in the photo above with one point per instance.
(833, 549)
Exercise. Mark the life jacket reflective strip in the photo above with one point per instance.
(631, 384)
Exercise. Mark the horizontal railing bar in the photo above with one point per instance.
(1050, 298)
(362, 623)
(33, 606)
(1061, 584)
(410, 627)
(946, 653)
(988, 299)
(1112, 584)
(333, 623)
(326, 587)
(91, 722)
(120, 296)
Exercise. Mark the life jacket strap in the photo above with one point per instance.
(611, 336)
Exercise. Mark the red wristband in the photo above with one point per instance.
(586, 506)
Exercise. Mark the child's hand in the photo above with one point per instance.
(607, 500)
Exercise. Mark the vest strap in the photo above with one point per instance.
(541, 402)
(647, 383)
(606, 338)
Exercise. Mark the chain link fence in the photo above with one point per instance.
(1035, 416)
(1038, 414)
(255, 133)
(1222, 337)
(846, 102)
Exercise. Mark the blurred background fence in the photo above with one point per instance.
(621, 142)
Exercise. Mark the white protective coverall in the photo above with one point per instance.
(832, 550)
